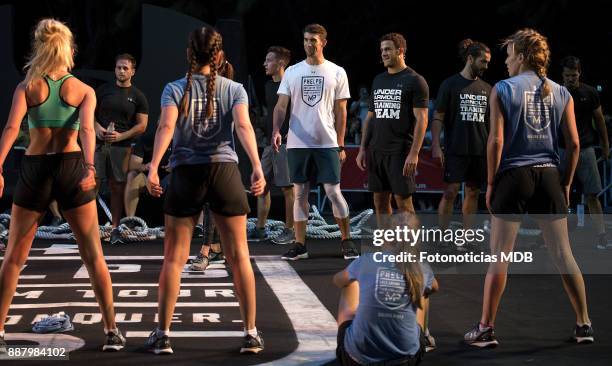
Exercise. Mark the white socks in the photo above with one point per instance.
(251, 332)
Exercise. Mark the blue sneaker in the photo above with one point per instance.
(56, 323)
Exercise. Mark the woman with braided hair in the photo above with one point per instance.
(198, 113)
(60, 111)
(529, 112)
(211, 251)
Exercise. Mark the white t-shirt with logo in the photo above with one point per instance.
(313, 89)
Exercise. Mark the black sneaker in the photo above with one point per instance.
(348, 249)
(2, 345)
(216, 258)
(252, 344)
(115, 238)
(158, 345)
(297, 252)
(583, 334)
(259, 234)
(287, 236)
(56, 221)
(198, 231)
(481, 338)
(114, 341)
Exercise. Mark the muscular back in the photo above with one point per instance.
(44, 139)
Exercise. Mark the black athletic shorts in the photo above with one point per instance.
(386, 174)
(534, 190)
(469, 169)
(44, 178)
(218, 184)
(346, 360)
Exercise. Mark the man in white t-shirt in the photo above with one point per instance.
(318, 91)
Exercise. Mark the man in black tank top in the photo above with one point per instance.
(121, 116)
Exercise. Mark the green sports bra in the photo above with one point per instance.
(54, 112)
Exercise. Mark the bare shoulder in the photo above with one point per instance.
(21, 86)
(77, 85)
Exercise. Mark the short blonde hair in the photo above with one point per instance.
(52, 47)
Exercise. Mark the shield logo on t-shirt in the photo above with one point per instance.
(390, 288)
(537, 112)
(203, 127)
(312, 89)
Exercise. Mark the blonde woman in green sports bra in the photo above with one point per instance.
(60, 109)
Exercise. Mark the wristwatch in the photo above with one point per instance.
(341, 148)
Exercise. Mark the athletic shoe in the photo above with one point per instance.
(116, 238)
(158, 345)
(252, 344)
(56, 323)
(287, 236)
(259, 234)
(430, 343)
(348, 249)
(481, 337)
(461, 248)
(56, 221)
(114, 341)
(216, 258)
(200, 263)
(583, 334)
(602, 242)
(3, 345)
(297, 252)
(198, 231)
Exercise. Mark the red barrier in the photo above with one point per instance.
(428, 175)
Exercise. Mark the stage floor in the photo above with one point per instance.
(296, 304)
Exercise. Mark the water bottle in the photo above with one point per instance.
(580, 214)
(109, 129)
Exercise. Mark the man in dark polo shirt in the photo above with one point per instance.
(121, 116)
(592, 131)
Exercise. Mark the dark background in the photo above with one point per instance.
(432, 28)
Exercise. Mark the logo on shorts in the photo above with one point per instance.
(537, 110)
(390, 288)
(312, 89)
(203, 127)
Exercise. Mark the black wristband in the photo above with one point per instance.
(341, 148)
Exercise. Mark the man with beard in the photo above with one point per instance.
(462, 109)
(394, 129)
(121, 116)
(318, 91)
(588, 110)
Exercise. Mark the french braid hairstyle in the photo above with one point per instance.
(536, 52)
(204, 45)
(225, 68)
